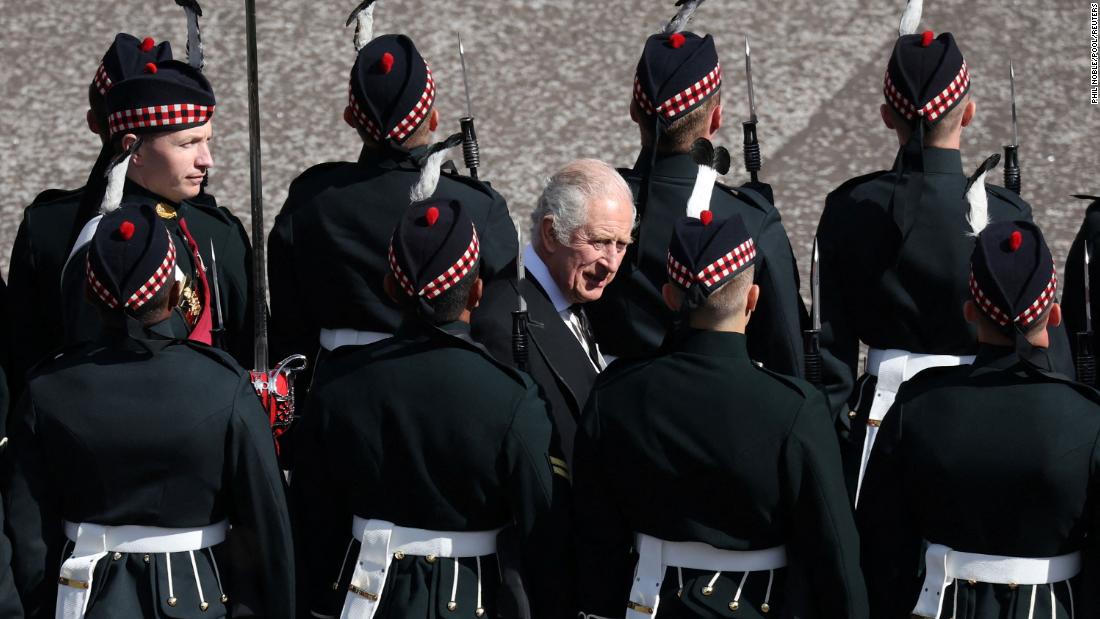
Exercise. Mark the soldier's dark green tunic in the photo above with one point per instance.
(701, 445)
(996, 458)
(631, 318)
(115, 432)
(10, 606)
(207, 222)
(425, 430)
(327, 252)
(897, 278)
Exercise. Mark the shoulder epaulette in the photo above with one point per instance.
(55, 356)
(479, 185)
(852, 183)
(1008, 196)
(309, 173)
(209, 205)
(797, 385)
(218, 355)
(748, 196)
(53, 195)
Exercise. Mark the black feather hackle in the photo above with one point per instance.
(359, 9)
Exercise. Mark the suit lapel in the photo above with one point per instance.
(557, 346)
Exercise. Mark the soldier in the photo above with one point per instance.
(723, 477)
(52, 221)
(327, 249)
(418, 449)
(677, 99)
(160, 129)
(579, 234)
(10, 606)
(989, 472)
(114, 448)
(894, 246)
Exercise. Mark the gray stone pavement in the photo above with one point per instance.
(551, 82)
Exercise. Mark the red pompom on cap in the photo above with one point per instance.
(677, 40)
(150, 68)
(147, 44)
(1015, 241)
(706, 217)
(926, 38)
(386, 63)
(432, 215)
(126, 230)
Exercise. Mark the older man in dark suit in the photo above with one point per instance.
(579, 234)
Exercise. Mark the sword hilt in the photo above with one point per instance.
(752, 149)
(1012, 169)
(471, 153)
(520, 344)
(1085, 361)
(812, 352)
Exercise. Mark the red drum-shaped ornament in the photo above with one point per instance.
(276, 391)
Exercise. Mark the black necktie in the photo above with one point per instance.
(586, 333)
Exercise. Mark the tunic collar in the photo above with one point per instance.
(937, 160)
(673, 165)
(708, 343)
(389, 158)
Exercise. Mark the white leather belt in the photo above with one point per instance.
(656, 555)
(944, 566)
(381, 541)
(92, 542)
(893, 367)
(331, 339)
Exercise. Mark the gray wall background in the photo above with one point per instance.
(551, 81)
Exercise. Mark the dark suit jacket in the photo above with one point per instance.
(558, 363)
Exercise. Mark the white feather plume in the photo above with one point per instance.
(116, 181)
(978, 217)
(430, 165)
(910, 19)
(704, 188)
(679, 22)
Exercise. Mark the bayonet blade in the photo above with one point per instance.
(520, 273)
(1088, 292)
(220, 319)
(465, 79)
(1012, 86)
(815, 291)
(748, 73)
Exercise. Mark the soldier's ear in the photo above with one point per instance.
(433, 120)
(968, 113)
(93, 122)
(476, 292)
(672, 296)
(635, 114)
(1054, 318)
(887, 117)
(970, 312)
(174, 294)
(752, 298)
(349, 117)
(128, 141)
(716, 119)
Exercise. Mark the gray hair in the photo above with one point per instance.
(567, 194)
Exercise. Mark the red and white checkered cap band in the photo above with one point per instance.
(160, 116)
(938, 106)
(728, 264)
(102, 81)
(679, 273)
(1030, 314)
(398, 274)
(143, 294)
(361, 117)
(448, 278)
(455, 273)
(409, 124)
(682, 101)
